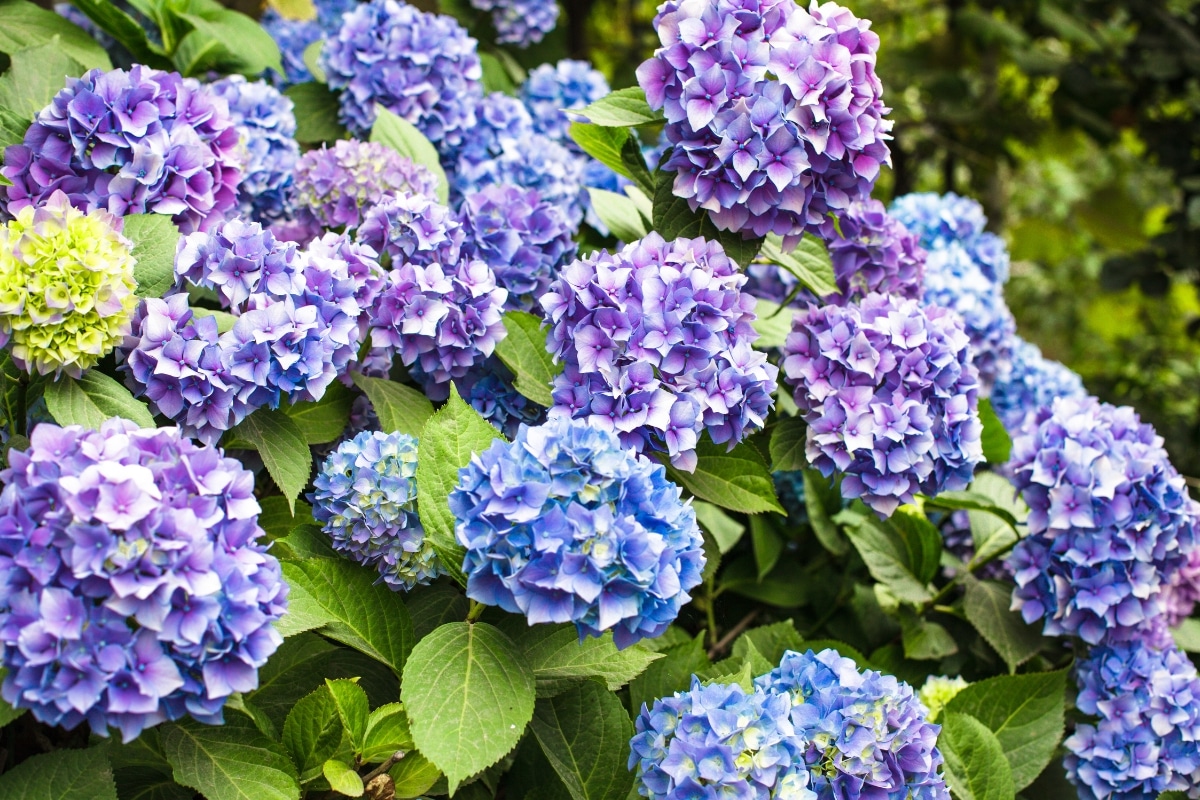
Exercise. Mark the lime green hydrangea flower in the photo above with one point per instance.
(938, 691)
(66, 287)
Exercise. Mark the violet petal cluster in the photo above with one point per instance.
(520, 22)
(864, 734)
(1110, 521)
(890, 397)
(1029, 381)
(872, 251)
(420, 66)
(488, 388)
(1182, 591)
(552, 91)
(656, 345)
(774, 110)
(140, 141)
(133, 587)
(942, 220)
(564, 524)
(294, 36)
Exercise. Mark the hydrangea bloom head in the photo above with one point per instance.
(563, 524)
(859, 728)
(520, 22)
(1110, 521)
(132, 586)
(294, 36)
(873, 252)
(176, 153)
(420, 66)
(943, 220)
(938, 691)
(67, 287)
(890, 397)
(551, 91)
(656, 344)
(488, 388)
(774, 110)
(1029, 381)
(719, 741)
(365, 497)
(412, 229)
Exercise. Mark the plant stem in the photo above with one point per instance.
(476, 611)
(384, 767)
(732, 634)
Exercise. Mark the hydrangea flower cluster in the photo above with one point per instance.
(520, 22)
(366, 500)
(335, 186)
(943, 220)
(294, 36)
(566, 525)
(1146, 736)
(719, 741)
(890, 397)
(488, 388)
(267, 127)
(872, 252)
(134, 590)
(1110, 521)
(131, 142)
(552, 91)
(522, 238)
(656, 341)
(774, 111)
(420, 66)
(1182, 592)
(866, 734)
(1029, 381)
(66, 286)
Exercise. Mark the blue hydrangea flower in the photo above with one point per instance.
(488, 388)
(365, 497)
(890, 397)
(1145, 737)
(774, 111)
(422, 67)
(1110, 521)
(133, 587)
(1030, 381)
(294, 36)
(267, 127)
(656, 342)
(520, 22)
(864, 734)
(552, 91)
(943, 220)
(719, 741)
(153, 143)
(566, 525)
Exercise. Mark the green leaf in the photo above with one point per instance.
(972, 501)
(779, 588)
(154, 238)
(244, 46)
(140, 783)
(559, 660)
(620, 109)
(997, 444)
(122, 27)
(674, 218)
(603, 144)
(922, 540)
(304, 540)
(771, 641)
(399, 407)
(772, 323)
(434, 605)
(12, 129)
(987, 606)
(414, 776)
(61, 775)
(356, 610)
(469, 696)
(787, 445)
(585, 734)
(316, 108)
(926, 641)
(312, 60)
(93, 398)
(342, 779)
(449, 439)
(822, 500)
(737, 479)
(523, 351)
(670, 674)
(768, 545)
(619, 214)
(229, 762)
(1025, 712)
(24, 25)
(281, 444)
(403, 137)
(886, 555)
(312, 733)
(724, 529)
(975, 766)
(495, 75)
(1187, 635)
(35, 76)
(7, 712)
(387, 734)
(324, 421)
(353, 708)
(277, 520)
(809, 262)
(225, 321)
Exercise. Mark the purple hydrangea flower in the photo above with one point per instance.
(422, 67)
(656, 341)
(890, 397)
(523, 239)
(365, 497)
(943, 220)
(1029, 381)
(134, 589)
(772, 283)
(412, 229)
(488, 388)
(267, 127)
(774, 111)
(566, 525)
(131, 142)
(1110, 521)
(1145, 738)
(294, 36)
(1182, 591)
(873, 252)
(858, 729)
(520, 22)
(719, 741)
(552, 91)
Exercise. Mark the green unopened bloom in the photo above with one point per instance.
(938, 691)
(66, 287)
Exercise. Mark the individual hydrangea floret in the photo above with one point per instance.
(66, 287)
(943, 220)
(563, 524)
(522, 238)
(872, 252)
(938, 691)
(1110, 521)
(131, 142)
(1029, 381)
(294, 36)
(133, 587)
(656, 344)
(552, 91)
(422, 67)
(719, 741)
(520, 22)
(890, 397)
(266, 124)
(866, 734)
(365, 497)
(488, 388)
(774, 111)
(335, 186)
(1145, 734)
